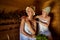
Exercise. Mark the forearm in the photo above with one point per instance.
(34, 28)
(25, 33)
(44, 24)
(32, 31)
(29, 35)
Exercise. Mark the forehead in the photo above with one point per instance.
(29, 9)
(43, 10)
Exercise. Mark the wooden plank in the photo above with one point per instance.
(4, 27)
(8, 21)
(9, 34)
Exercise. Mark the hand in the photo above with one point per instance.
(33, 36)
(29, 36)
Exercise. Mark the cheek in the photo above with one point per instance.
(43, 12)
(29, 14)
(32, 12)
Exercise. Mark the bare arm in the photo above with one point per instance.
(22, 28)
(36, 17)
(35, 26)
(30, 28)
(46, 24)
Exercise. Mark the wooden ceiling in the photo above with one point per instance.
(9, 5)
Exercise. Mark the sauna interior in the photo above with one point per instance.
(11, 12)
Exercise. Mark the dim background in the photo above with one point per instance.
(12, 10)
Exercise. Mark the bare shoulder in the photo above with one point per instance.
(23, 18)
(38, 16)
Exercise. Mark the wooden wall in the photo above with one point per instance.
(55, 15)
(12, 5)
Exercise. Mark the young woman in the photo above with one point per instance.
(28, 26)
(44, 21)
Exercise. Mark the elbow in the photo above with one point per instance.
(21, 30)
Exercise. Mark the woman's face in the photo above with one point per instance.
(30, 12)
(44, 12)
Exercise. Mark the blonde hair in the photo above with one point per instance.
(33, 7)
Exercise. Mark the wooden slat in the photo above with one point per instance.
(3, 27)
(13, 34)
(8, 21)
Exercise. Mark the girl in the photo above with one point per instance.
(28, 26)
(44, 21)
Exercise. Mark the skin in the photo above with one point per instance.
(45, 16)
(29, 12)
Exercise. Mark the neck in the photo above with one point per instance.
(44, 16)
(30, 17)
